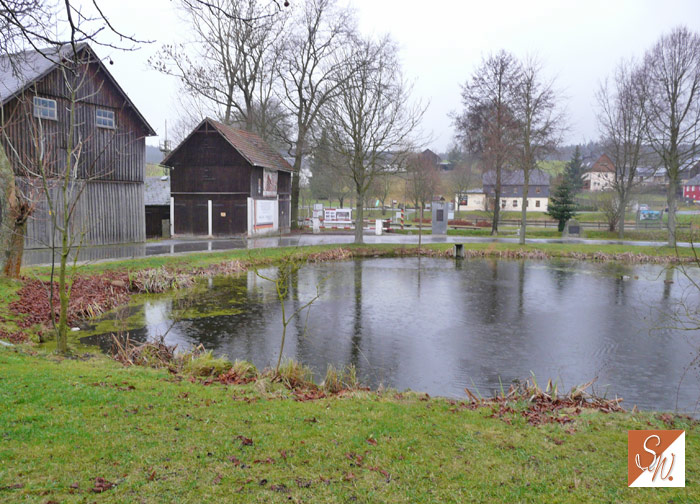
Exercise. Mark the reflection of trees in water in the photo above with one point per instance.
(356, 337)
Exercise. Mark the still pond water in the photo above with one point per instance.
(437, 325)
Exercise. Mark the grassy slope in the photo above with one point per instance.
(71, 421)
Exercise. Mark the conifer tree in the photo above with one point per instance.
(562, 205)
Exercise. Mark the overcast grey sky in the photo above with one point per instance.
(441, 43)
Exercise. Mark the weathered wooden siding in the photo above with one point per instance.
(111, 210)
(106, 213)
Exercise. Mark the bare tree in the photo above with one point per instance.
(230, 64)
(312, 71)
(371, 120)
(623, 124)
(540, 125)
(41, 26)
(672, 86)
(380, 189)
(487, 124)
(423, 183)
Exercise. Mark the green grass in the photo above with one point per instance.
(66, 422)
(552, 168)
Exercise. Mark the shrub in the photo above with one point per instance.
(203, 363)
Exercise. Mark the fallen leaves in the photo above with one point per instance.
(102, 485)
(245, 441)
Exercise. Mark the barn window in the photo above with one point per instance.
(45, 108)
(105, 119)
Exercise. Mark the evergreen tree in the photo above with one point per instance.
(573, 172)
(562, 205)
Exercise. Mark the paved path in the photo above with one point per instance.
(174, 247)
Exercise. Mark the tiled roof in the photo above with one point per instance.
(157, 190)
(256, 150)
(693, 181)
(537, 177)
(20, 70)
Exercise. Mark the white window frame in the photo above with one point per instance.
(48, 105)
(103, 118)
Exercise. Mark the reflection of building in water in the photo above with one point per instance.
(261, 289)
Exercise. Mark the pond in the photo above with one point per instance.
(438, 326)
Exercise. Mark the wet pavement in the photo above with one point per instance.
(35, 257)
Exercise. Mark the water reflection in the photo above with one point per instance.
(437, 325)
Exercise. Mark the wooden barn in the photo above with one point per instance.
(226, 181)
(36, 100)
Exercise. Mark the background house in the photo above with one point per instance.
(227, 181)
(512, 190)
(691, 189)
(600, 176)
(35, 102)
(471, 200)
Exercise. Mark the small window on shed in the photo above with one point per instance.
(105, 119)
(44, 108)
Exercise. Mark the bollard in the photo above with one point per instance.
(402, 216)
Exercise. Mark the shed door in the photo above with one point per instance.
(229, 217)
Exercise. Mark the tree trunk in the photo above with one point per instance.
(13, 219)
(340, 200)
(64, 297)
(496, 212)
(621, 219)
(359, 215)
(523, 210)
(671, 200)
(296, 177)
(420, 227)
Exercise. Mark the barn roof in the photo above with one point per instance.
(254, 149)
(156, 190)
(19, 71)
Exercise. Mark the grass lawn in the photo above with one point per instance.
(66, 422)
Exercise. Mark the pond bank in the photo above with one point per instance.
(74, 427)
(24, 305)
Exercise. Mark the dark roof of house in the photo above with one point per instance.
(537, 177)
(156, 190)
(249, 145)
(19, 71)
(693, 181)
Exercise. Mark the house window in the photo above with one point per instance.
(105, 119)
(515, 202)
(537, 203)
(537, 190)
(45, 108)
(515, 190)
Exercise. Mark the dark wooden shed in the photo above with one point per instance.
(228, 181)
(35, 100)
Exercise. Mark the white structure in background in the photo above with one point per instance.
(601, 175)
(472, 200)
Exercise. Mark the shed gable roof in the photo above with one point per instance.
(254, 149)
(21, 70)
